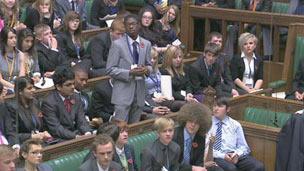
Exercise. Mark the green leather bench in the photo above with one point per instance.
(280, 7)
(71, 162)
(265, 117)
(134, 3)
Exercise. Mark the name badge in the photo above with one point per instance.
(133, 66)
(164, 169)
(183, 93)
(156, 95)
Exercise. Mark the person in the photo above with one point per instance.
(11, 60)
(101, 9)
(103, 150)
(49, 56)
(174, 66)
(205, 71)
(25, 43)
(31, 155)
(128, 63)
(195, 121)
(219, 3)
(158, 104)
(62, 108)
(25, 112)
(227, 85)
(41, 11)
(158, 7)
(163, 153)
(70, 40)
(296, 93)
(230, 149)
(247, 70)
(10, 13)
(99, 46)
(7, 158)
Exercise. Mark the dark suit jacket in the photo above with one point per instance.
(237, 68)
(98, 50)
(33, 18)
(101, 105)
(59, 122)
(130, 155)
(298, 81)
(100, 9)
(153, 159)
(28, 120)
(196, 154)
(227, 83)
(263, 5)
(200, 79)
(91, 165)
(219, 3)
(49, 59)
(6, 125)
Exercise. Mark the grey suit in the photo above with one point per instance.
(91, 165)
(128, 94)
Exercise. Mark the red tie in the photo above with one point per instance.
(68, 105)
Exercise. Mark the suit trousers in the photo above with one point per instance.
(245, 163)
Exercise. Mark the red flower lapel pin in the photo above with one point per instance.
(72, 101)
(194, 145)
(142, 45)
(130, 161)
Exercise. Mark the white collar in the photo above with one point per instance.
(119, 151)
(131, 41)
(101, 169)
(243, 55)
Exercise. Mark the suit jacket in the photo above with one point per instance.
(200, 79)
(28, 120)
(91, 165)
(100, 9)
(6, 125)
(263, 5)
(61, 7)
(130, 156)
(98, 50)
(40, 167)
(197, 152)
(237, 68)
(49, 59)
(33, 18)
(101, 101)
(60, 123)
(298, 81)
(118, 67)
(227, 83)
(290, 145)
(153, 159)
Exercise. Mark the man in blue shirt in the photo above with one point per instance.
(230, 149)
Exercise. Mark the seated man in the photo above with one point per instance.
(230, 149)
(103, 147)
(99, 47)
(205, 71)
(163, 153)
(297, 92)
(194, 120)
(7, 158)
(62, 108)
(49, 56)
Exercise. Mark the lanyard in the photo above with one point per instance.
(156, 81)
(77, 50)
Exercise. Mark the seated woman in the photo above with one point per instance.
(169, 25)
(70, 40)
(174, 66)
(103, 8)
(147, 30)
(11, 59)
(41, 11)
(153, 90)
(31, 153)
(247, 69)
(10, 13)
(25, 43)
(25, 112)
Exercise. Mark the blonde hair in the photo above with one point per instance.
(244, 37)
(176, 22)
(163, 123)
(11, 21)
(155, 54)
(41, 2)
(171, 53)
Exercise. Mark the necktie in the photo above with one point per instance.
(166, 158)
(123, 161)
(187, 151)
(218, 137)
(135, 52)
(73, 5)
(85, 102)
(68, 105)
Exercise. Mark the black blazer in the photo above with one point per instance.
(59, 122)
(6, 125)
(28, 120)
(130, 156)
(200, 79)
(197, 150)
(298, 81)
(33, 18)
(237, 68)
(49, 59)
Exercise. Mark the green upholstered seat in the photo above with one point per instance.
(23, 13)
(280, 7)
(265, 117)
(139, 142)
(69, 162)
(88, 9)
(239, 4)
(134, 3)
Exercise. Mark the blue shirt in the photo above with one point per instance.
(233, 138)
(187, 135)
(153, 83)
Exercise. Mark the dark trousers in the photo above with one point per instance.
(245, 163)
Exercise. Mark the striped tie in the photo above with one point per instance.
(187, 151)
(218, 137)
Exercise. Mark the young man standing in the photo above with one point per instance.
(230, 149)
